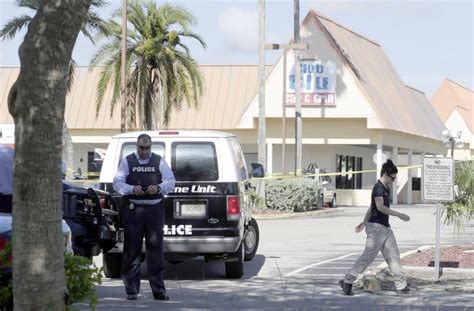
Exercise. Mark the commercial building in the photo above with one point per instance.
(356, 112)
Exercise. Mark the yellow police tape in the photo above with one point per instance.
(269, 176)
(292, 175)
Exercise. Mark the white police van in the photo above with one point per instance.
(209, 212)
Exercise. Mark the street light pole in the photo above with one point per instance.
(298, 121)
(452, 141)
(283, 119)
(285, 48)
(262, 157)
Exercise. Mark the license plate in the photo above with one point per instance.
(193, 210)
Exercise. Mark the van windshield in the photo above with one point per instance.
(156, 147)
(194, 161)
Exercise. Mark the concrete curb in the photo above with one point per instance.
(427, 273)
(325, 211)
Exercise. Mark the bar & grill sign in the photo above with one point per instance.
(318, 82)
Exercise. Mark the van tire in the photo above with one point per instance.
(251, 240)
(112, 265)
(235, 269)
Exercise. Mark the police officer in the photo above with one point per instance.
(143, 178)
(6, 178)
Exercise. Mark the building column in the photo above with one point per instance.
(379, 161)
(423, 154)
(270, 158)
(409, 181)
(395, 182)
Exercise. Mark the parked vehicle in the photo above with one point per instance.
(209, 212)
(328, 193)
(90, 215)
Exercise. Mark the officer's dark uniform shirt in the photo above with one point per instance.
(127, 177)
(144, 175)
(379, 190)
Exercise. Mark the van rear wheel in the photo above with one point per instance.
(251, 240)
(235, 269)
(112, 265)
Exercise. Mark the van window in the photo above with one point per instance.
(194, 161)
(156, 147)
(240, 159)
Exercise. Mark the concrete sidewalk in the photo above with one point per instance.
(423, 278)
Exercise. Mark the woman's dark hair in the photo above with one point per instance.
(389, 168)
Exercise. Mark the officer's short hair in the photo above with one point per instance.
(144, 137)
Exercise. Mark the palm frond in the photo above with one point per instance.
(71, 75)
(30, 4)
(14, 25)
(194, 36)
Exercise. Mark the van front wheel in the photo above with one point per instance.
(251, 239)
(235, 269)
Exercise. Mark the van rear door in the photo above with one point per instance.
(200, 204)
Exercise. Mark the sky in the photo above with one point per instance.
(426, 41)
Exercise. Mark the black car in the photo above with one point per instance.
(89, 213)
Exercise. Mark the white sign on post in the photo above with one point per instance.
(438, 186)
(438, 179)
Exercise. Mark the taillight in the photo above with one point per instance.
(233, 207)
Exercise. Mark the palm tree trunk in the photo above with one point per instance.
(36, 101)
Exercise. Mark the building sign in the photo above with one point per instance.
(318, 82)
(438, 179)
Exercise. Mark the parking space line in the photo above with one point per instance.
(318, 264)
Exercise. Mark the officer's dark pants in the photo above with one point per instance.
(5, 203)
(142, 221)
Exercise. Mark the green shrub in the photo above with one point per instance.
(292, 195)
(81, 279)
(461, 210)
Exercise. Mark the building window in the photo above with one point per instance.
(345, 163)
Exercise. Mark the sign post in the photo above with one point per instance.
(438, 186)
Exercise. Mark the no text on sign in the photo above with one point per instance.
(438, 179)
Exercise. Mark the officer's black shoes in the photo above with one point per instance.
(132, 297)
(346, 288)
(161, 297)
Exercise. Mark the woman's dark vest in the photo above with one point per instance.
(144, 175)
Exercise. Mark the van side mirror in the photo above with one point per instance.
(257, 170)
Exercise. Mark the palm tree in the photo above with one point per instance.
(462, 209)
(91, 25)
(161, 74)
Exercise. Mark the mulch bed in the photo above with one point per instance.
(451, 256)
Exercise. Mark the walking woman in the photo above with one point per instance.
(380, 236)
